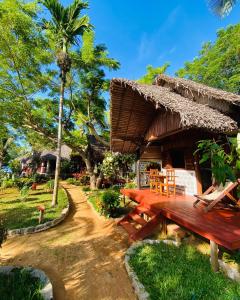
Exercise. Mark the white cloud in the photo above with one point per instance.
(149, 43)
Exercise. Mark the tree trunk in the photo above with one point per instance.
(59, 141)
(92, 175)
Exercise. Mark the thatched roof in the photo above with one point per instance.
(52, 154)
(215, 98)
(134, 106)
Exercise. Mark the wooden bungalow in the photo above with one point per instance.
(162, 123)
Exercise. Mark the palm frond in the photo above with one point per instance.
(221, 7)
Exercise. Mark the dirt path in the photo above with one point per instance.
(83, 256)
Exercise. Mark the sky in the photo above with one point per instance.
(139, 33)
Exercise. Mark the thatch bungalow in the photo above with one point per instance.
(163, 122)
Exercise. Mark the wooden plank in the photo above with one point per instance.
(135, 217)
(214, 256)
(222, 226)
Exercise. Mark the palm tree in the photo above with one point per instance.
(221, 7)
(65, 26)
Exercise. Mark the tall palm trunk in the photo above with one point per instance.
(59, 140)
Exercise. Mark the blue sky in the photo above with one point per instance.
(138, 33)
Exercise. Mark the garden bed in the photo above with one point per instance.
(164, 271)
(24, 283)
(18, 214)
(94, 197)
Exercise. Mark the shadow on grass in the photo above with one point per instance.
(82, 261)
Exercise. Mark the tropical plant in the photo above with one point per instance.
(50, 185)
(221, 8)
(116, 164)
(224, 158)
(109, 203)
(218, 62)
(152, 73)
(24, 192)
(65, 27)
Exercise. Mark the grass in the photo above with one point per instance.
(170, 272)
(19, 214)
(20, 285)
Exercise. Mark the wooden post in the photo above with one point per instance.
(198, 174)
(138, 175)
(214, 256)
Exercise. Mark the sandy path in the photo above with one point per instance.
(83, 256)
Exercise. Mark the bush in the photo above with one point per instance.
(109, 203)
(8, 183)
(21, 182)
(130, 185)
(40, 178)
(86, 189)
(85, 180)
(71, 180)
(24, 192)
(3, 233)
(50, 185)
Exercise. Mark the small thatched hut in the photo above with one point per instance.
(163, 122)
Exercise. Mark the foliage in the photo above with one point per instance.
(224, 165)
(8, 183)
(50, 185)
(152, 73)
(130, 185)
(218, 63)
(19, 284)
(24, 192)
(221, 7)
(170, 272)
(109, 203)
(3, 233)
(84, 180)
(117, 164)
(40, 178)
(86, 189)
(153, 165)
(15, 166)
(20, 214)
(24, 181)
(29, 98)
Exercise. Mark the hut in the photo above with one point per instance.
(163, 122)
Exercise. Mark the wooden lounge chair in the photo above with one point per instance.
(214, 194)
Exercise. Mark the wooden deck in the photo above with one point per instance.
(220, 225)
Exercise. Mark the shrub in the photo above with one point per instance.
(50, 185)
(24, 192)
(8, 183)
(86, 189)
(40, 178)
(85, 180)
(109, 204)
(3, 233)
(71, 180)
(130, 185)
(21, 182)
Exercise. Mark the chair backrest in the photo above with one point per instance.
(153, 172)
(170, 176)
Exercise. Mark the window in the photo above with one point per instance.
(177, 157)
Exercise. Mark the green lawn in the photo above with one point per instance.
(20, 285)
(170, 272)
(18, 214)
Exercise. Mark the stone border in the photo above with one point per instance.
(139, 288)
(44, 226)
(46, 291)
